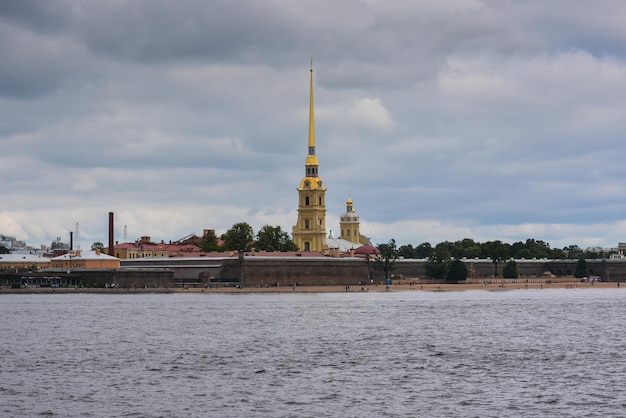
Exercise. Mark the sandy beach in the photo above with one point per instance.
(406, 287)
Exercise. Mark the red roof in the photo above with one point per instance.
(366, 249)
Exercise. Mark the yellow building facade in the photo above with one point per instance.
(86, 260)
(309, 233)
(349, 224)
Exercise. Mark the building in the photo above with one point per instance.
(12, 244)
(23, 261)
(309, 233)
(349, 224)
(85, 260)
(144, 248)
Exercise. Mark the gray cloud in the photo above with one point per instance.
(494, 120)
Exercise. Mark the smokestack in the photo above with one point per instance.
(71, 241)
(111, 247)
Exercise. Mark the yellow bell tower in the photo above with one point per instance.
(309, 233)
(349, 224)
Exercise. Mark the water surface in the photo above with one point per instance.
(551, 352)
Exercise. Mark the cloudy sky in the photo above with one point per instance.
(443, 119)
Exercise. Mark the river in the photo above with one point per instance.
(550, 352)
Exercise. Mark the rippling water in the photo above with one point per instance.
(551, 352)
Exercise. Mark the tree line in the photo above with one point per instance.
(468, 248)
(444, 261)
(241, 237)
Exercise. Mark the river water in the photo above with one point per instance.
(550, 352)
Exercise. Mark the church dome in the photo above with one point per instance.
(366, 249)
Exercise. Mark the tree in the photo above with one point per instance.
(406, 251)
(97, 246)
(438, 263)
(467, 247)
(424, 250)
(573, 251)
(457, 272)
(581, 268)
(4, 250)
(497, 251)
(387, 258)
(510, 270)
(209, 242)
(238, 237)
(273, 238)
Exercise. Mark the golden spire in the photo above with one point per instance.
(311, 118)
(311, 159)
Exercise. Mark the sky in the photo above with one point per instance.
(442, 120)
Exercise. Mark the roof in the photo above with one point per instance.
(367, 249)
(157, 247)
(342, 244)
(85, 255)
(23, 258)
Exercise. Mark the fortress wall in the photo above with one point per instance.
(127, 278)
(92, 277)
(261, 271)
(333, 271)
(254, 272)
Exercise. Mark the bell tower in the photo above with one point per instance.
(349, 224)
(309, 233)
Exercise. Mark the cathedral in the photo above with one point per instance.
(309, 233)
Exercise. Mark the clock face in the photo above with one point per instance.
(307, 184)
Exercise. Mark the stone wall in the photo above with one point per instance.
(251, 271)
(91, 278)
(128, 278)
(254, 272)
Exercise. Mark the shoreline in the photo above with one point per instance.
(325, 289)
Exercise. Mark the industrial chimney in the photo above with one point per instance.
(111, 247)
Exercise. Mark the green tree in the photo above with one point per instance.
(406, 251)
(209, 242)
(97, 246)
(510, 270)
(4, 250)
(424, 250)
(573, 251)
(497, 251)
(438, 263)
(386, 260)
(239, 237)
(273, 238)
(457, 272)
(538, 248)
(581, 268)
(467, 248)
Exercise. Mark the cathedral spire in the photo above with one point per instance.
(311, 165)
(311, 116)
(309, 233)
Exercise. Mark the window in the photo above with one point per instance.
(307, 201)
(307, 246)
(307, 224)
(320, 201)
